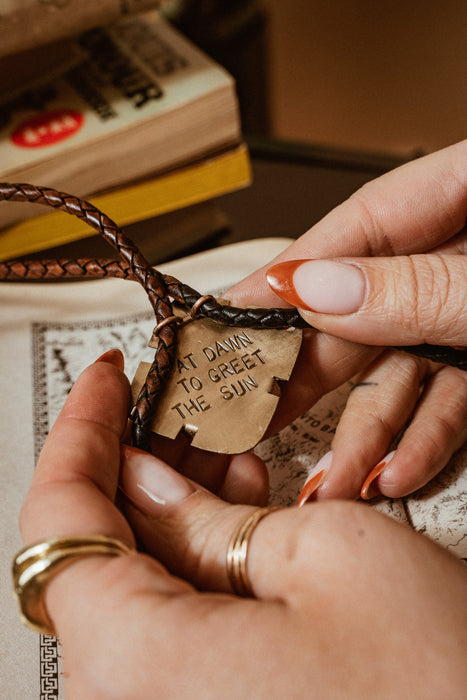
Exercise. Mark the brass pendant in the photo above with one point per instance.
(224, 386)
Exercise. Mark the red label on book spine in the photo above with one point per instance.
(47, 128)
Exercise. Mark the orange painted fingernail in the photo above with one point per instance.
(325, 286)
(280, 279)
(369, 489)
(314, 481)
(309, 488)
(113, 357)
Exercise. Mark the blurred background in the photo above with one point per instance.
(386, 77)
(332, 94)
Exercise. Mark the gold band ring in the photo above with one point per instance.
(237, 553)
(34, 566)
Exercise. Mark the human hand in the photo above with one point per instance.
(325, 618)
(418, 208)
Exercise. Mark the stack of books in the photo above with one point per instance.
(131, 116)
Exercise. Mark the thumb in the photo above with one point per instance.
(188, 529)
(401, 300)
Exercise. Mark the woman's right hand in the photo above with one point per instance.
(417, 209)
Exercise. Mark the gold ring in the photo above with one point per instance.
(34, 566)
(237, 553)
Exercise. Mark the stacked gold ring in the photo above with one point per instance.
(34, 566)
(237, 553)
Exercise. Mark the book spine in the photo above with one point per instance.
(25, 24)
(196, 183)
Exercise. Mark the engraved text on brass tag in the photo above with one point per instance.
(224, 387)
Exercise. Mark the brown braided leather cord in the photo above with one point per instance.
(183, 294)
(151, 280)
(133, 266)
(33, 270)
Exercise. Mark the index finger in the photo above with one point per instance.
(76, 478)
(411, 209)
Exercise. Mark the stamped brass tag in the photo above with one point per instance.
(224, 387)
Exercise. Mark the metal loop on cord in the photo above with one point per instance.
(165, 322)
(198, 303)
(180, 320)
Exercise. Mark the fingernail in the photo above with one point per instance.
(315, 479)
(150, 483)
(113, 357)
(323, 286)
(370, 489)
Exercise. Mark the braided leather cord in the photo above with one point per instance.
(133, 266)
(183, 294)
(151, 280)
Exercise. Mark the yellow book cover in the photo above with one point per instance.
(185, 186)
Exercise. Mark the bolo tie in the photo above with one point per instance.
(232, 348)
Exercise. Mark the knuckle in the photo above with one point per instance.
(377, 241)
(426, 294)
(441, 299)
(433, 285)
